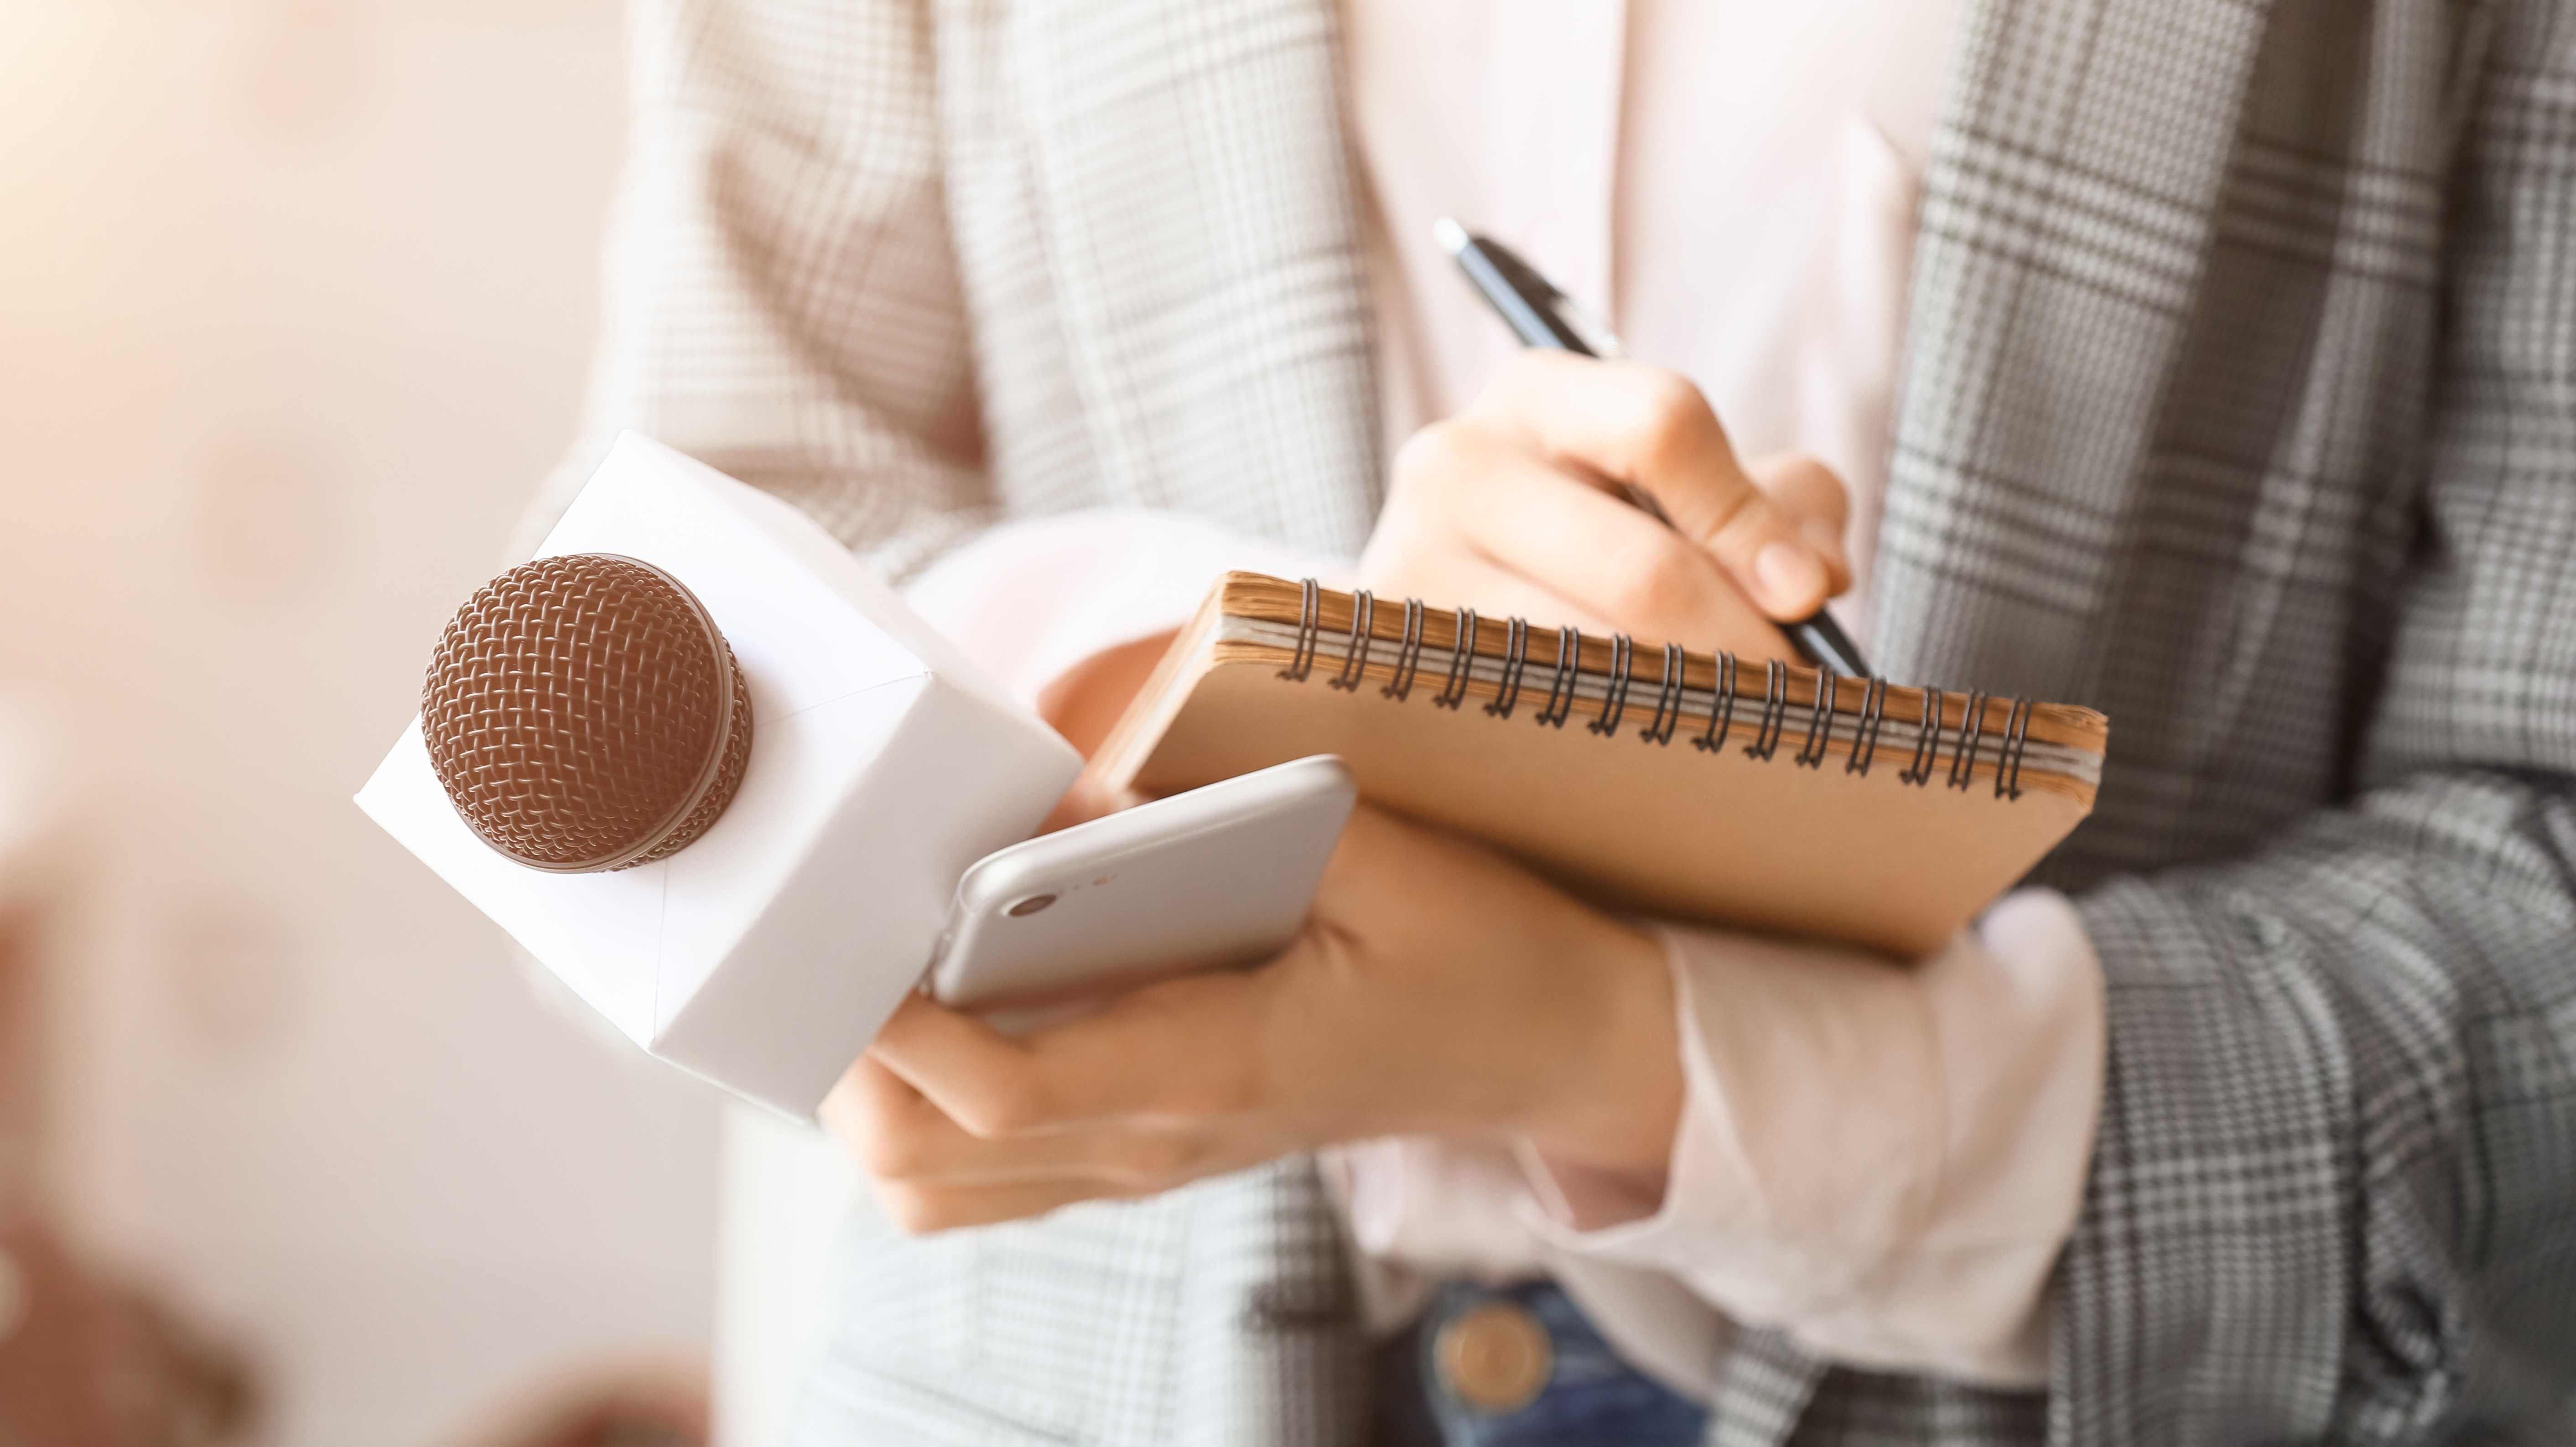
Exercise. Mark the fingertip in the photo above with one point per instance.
(1790, 579)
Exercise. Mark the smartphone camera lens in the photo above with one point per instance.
(1020, 908)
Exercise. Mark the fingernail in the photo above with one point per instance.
(1790, 574)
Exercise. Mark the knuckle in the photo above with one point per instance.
(991, 1116)
(1431, 456)
(1804, 484)
(889, 1154)
(1666, 412)
(914, 1213)
(1807, 467)
(869, 1135)
(1009, 1110)
(843, 1123)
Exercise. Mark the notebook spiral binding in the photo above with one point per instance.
(1966, 743)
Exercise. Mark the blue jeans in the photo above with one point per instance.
(1591, 1397)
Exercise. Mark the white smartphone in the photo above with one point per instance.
(1218, 876)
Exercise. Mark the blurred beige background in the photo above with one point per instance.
(295, 297)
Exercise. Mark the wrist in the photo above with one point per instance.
(1622, 1097)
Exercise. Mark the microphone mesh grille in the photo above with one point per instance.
(571, 710)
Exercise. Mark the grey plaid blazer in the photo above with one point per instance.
(2242, 406)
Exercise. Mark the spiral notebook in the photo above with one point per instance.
(1737, 791)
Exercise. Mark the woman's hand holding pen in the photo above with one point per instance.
(1510, 508)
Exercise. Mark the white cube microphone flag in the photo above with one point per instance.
(712, 773)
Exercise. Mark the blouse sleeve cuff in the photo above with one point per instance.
(1882, 1158)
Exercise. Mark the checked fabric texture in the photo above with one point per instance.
(2241, 406)
(573, 709)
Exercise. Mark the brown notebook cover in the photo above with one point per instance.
(1714, 788)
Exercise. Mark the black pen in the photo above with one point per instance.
(1542, 316)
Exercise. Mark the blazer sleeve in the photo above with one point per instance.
(2333, 1194)
(781, 294)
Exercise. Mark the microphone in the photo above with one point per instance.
(585, 714)
(746, 903)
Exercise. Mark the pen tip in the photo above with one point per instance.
(1453, 238)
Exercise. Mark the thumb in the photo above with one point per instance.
(1802, 486)
(1623, 422)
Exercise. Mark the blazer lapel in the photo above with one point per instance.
(2068, 209)
(1200, 225)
